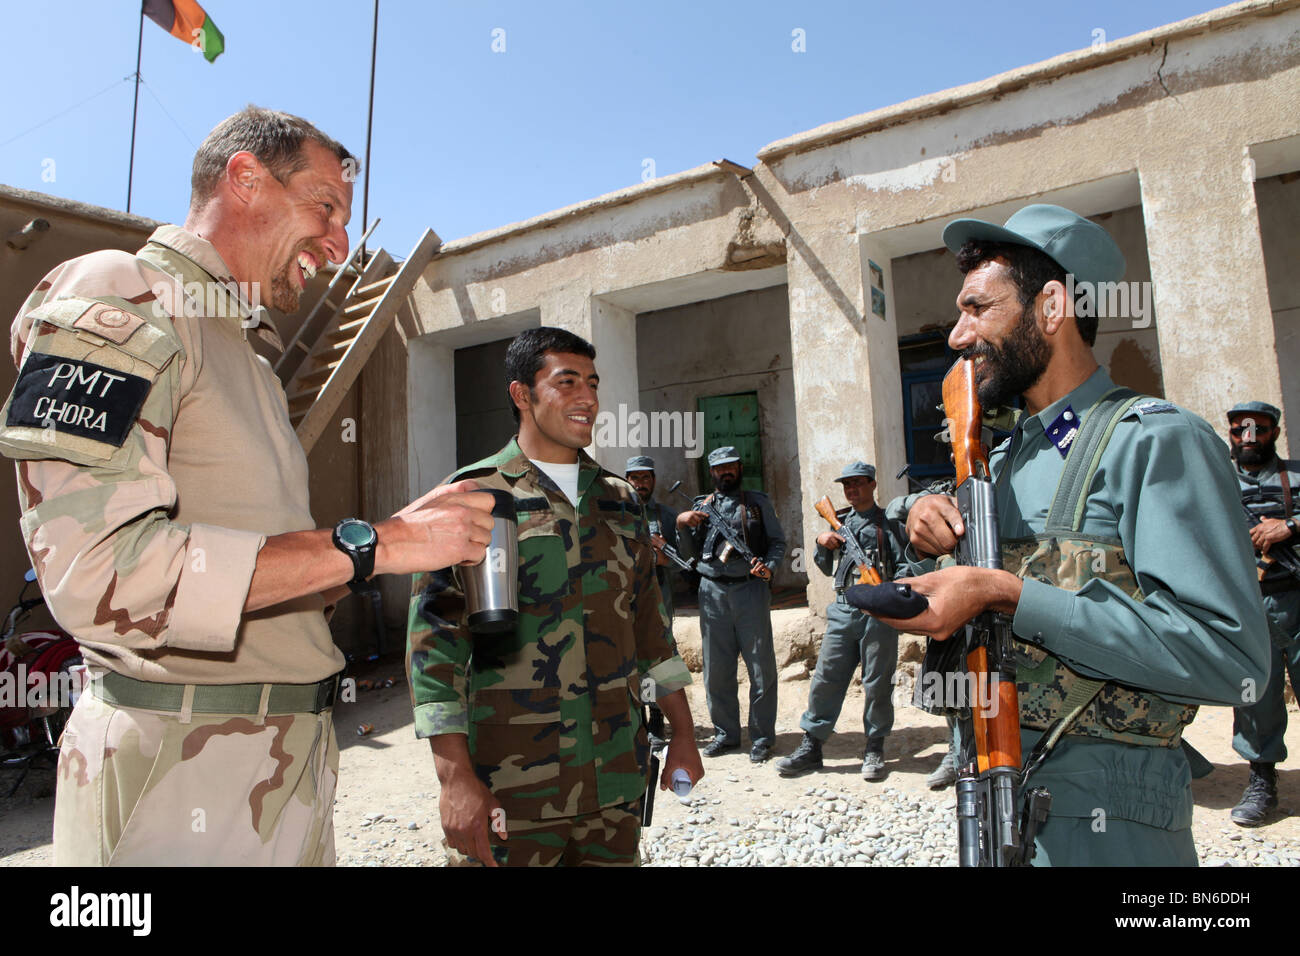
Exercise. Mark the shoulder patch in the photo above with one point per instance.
(72, 396)
(113, 324)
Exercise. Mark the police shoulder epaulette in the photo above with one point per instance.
(1153, 406)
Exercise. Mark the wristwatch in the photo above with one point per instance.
(1291, 525)
(357, 539)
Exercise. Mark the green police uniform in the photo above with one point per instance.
(854, 638)
(1154, 593)
(1258, 731)
(552, 708)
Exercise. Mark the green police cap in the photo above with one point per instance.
(1259, 408)
(640, 463)
(858, 469)
(1080, 247)
(723, 455)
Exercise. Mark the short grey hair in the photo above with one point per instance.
(275, 138)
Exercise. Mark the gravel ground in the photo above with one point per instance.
(740, 814)
(890, 827)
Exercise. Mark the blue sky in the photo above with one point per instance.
(467, 138)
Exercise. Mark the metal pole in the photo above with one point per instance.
(139, 48)
(370, 120)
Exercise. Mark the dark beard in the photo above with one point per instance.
(727, 484)
(1013, 368)
(1256, 456)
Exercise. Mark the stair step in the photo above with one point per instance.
(315, 375)
(306, 395)
(331, 353)
(361, 308)
(380, 285)
(347, 330)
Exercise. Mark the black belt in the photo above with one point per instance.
(1278, 586)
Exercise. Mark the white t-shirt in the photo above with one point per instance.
(566, 476)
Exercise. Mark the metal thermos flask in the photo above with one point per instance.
(492, 585)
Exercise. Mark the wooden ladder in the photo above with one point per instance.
(345, 334)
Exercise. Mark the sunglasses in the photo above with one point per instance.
(1238, 430)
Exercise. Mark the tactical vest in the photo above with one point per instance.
(1052, 696)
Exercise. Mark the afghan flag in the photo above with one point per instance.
(189, 22)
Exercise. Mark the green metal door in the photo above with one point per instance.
(733, 420)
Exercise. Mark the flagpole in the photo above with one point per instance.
(370, 119)
(139, 47)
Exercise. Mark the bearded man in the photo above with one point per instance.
(735, 604)
(1267, 488)
(1146, 589)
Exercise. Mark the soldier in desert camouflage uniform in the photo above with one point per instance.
(536, 733)
(1131, 586)
(164, 500)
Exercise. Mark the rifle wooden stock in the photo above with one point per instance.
(961, 406)
(866, 574)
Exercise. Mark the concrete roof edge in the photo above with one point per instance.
(82, 209)
(1076, 61)
(619, 197)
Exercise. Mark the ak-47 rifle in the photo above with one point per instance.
(729, 534)
(686, 564)
(988, 831)
(867, 573)
(1282, 554)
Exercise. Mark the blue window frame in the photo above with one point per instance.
(924, 360)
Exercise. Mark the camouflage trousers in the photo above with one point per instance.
(610, 837)
(141, 788)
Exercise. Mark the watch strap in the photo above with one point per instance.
(363, 558)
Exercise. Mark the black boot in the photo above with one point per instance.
(804, 760)
(1260, 796)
